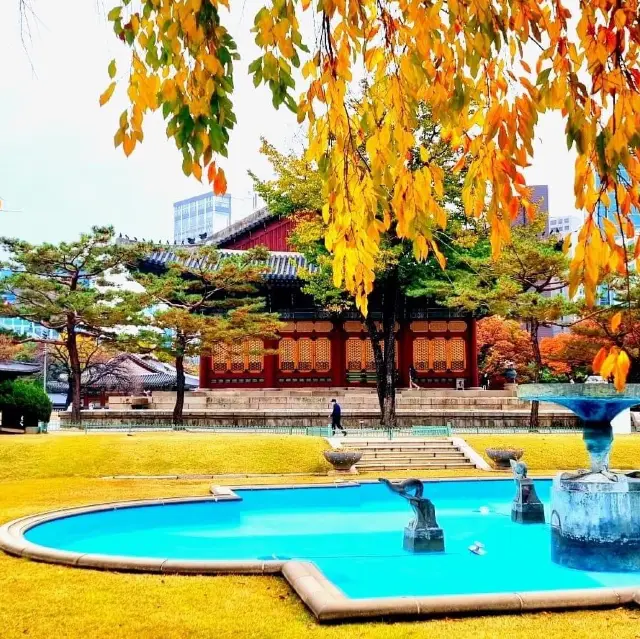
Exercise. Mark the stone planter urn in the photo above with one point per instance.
(501, 456)
(343, 461)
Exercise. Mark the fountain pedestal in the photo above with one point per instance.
(595, 523)
(595, 513)
(423, 539)
(527, 507)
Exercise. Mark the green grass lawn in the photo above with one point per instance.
(54, 602)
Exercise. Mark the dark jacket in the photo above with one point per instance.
(337, 411)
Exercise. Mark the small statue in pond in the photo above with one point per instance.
(526, 507)
(422, 534)
(519, 469)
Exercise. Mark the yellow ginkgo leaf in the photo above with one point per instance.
(106, 96)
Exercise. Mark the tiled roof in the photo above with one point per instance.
(283, 265)
(241, 227)
(19, 368)
(153, 381)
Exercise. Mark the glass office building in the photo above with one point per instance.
(200, 215)
(609, 212)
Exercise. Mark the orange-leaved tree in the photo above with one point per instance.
(485, 69)
(501, 341)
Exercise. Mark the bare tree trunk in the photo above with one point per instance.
(378, 356)
(534, 416)
(178, 408)
(389, 315)
(75, 378)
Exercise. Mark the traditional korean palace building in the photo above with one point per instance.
(318, 348)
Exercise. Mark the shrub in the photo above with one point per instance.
(26, 400)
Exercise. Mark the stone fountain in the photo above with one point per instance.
(595, 513)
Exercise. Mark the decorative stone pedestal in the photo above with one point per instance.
(527, 507)
(423, 539)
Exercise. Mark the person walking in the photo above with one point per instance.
(336, 417)
(485, 381)
(413, 376)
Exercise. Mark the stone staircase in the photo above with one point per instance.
(426, 454)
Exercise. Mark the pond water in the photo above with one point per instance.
(353, 534)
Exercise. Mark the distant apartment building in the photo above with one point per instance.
(540, 197)
(15, 324)
(564, 224)
(199, 217)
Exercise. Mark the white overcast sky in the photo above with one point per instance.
(60, 171)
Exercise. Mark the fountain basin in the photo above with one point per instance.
(338, 545)
(595, 523)
(595, 514)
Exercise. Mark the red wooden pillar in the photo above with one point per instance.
(405, 353)
(338, 355)
(205, 367)
(271, 364)
(473, 353)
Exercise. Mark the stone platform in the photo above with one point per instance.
(464, 410)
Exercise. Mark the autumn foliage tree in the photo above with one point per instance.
(298, 190)
(500, 341)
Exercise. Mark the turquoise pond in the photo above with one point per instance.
(353, 534)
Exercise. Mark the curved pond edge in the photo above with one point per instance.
(325, 600)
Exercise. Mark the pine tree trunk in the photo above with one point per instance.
(75, 378)
(178, 408)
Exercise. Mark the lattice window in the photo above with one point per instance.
(420, 327)
(457, 326)
(237, 358)
(287, 354)
(438, 361)
(438, 327)
(354, 354)
(457, 361)
(254, 355)
(369, 362)
(323, 355)
(219, 358)
(305, 354)
(421, 353)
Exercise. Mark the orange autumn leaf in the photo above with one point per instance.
(609, 363)
(621, 371)
(598, 360)
(615, 321)
(220, 183)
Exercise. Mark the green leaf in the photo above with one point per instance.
(112, 69)
(543, 76)
(255, 65)
(114, 14)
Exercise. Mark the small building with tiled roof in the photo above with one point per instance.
(126, 374)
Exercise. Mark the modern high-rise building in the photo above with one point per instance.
(609, 212)
(199, 217)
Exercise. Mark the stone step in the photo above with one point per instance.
(403, 466)
(414, 461)
(418, 454)
(443, 444)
